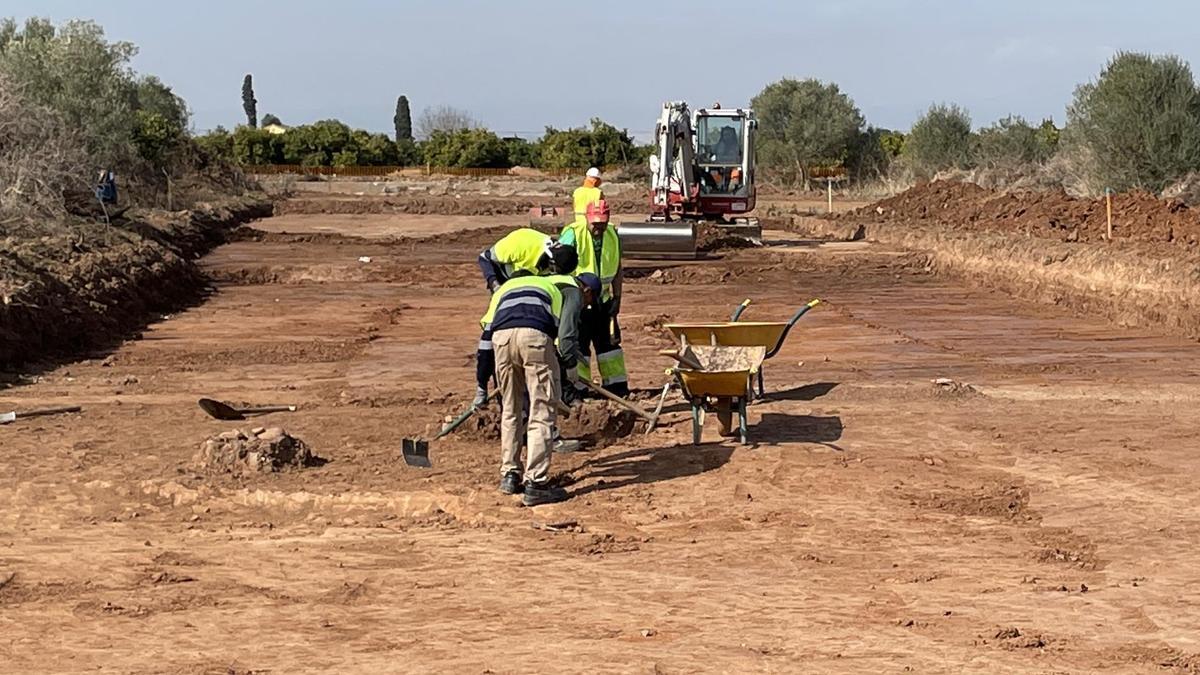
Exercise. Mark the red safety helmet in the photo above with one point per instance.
(597, 212)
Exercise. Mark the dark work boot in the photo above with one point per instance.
(511, 483)
(543, 494)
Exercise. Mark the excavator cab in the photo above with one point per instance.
(725, 159)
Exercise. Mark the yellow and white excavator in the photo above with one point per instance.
(702, 171)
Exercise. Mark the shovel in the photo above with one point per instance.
(416, 450)
(10, 417)
(651, 419)
(224, 411)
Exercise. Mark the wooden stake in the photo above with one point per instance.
(829, 193)
(1108, 208)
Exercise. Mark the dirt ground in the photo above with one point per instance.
(1037, 515)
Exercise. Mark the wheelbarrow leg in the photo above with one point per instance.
(742, 423)
(696, 424)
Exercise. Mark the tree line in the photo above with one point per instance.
(442, 136)
(1136, 126)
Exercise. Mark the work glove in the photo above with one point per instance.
(481, 398)
(493, 285)
(615, 330)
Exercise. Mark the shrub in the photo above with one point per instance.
(804, 123)
(940, 140)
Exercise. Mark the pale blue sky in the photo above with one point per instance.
(522, 64)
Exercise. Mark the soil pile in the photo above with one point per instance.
(596, 423)
(245, 452)
(1137, 216)
(66, 287)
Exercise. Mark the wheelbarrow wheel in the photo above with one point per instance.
(697, 424)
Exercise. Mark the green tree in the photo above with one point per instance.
(868, 156)
(521, 152)
(1138, 124)
(255, 146)
(249, 103)
(374, 149)
(217, 143)
(75, 71)
(269, 119)
(403, 120)
(805, 123)
(939, 140)
(465, 148)
(316, 144)
(155, 97)
(601, 144)
(892, 142)
(1010, 142)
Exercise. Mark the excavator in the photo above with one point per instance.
(702, 172)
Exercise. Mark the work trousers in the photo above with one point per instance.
(595, 332)
(526, 364)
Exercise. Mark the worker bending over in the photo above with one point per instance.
(524, 251)
(586, 194)
(599, 250)
(525, 317)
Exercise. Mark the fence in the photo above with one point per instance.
(355, 171)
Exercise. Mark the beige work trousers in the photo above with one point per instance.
(526, 363)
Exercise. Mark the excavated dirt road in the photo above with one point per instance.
(1042, 517)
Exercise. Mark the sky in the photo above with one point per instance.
(520, 65)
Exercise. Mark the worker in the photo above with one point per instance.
(524, 251)
(599, 250)
(106, 187)
(525, 315)
(588, 193)
(729, 148)
(517, 247)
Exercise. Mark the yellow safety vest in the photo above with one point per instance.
(583, 196)
(520, 250)
(541, 283)
(610, 255)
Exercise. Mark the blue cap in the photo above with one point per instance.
(591, 281)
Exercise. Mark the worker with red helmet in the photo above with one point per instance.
(599, 250)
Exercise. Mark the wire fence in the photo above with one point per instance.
(380, 171)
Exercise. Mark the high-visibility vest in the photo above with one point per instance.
(583, 196)
(520, 250)
(610, 255)
(525, 302)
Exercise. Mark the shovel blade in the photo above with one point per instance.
(416, 452)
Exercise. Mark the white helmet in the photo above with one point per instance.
(593, 172)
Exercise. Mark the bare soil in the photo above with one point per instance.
(1045, 521)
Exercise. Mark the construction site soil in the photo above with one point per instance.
(945, 476)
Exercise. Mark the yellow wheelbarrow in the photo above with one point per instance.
(717, 378)
(770, 335)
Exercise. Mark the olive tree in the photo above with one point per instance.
(1138, 124)
(940, 139)
(805, 123)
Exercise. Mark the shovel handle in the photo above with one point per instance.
(50, 411)
(267, 409)
(619, 401)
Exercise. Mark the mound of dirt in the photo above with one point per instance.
(70, 286)
(245, 452)
(597, 423)
(1137, 216)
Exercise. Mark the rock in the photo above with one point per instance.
(239, 453)
(258, 431)
(129, 379)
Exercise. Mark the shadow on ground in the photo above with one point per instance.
(776, 428)
(651, 465)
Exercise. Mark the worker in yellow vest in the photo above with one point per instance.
(588, 193)
(599, 250)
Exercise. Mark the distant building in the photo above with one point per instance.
(275, 129)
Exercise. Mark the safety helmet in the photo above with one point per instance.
(593, 173)
(597, 211)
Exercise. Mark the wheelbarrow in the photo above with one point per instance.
(718, 378)
(770, 335)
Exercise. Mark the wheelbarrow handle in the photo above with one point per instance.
(792, 322)
(737, 311)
